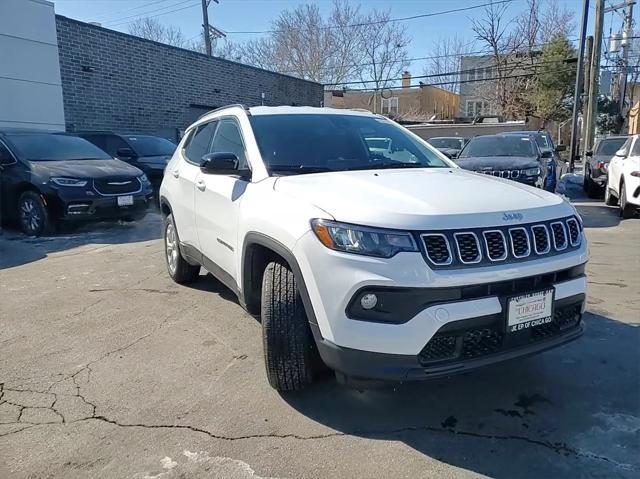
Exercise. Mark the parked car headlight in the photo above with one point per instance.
(361, 239)
(531, 172)
(63, 181)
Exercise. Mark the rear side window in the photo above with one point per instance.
(229, 140)
(198, 142)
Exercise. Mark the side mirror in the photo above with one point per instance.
(588, 153)
(560, 148)
(126, 153)
(622, 153)
(222, 163)
(547, 154)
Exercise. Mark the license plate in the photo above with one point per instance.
(126, 200)
(530, 310)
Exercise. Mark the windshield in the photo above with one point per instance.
(451, 143)
(610, 146)
(321, 142)
(498, 146)
(54, 147)
(151, 145)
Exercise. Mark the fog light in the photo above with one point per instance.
(368, 301)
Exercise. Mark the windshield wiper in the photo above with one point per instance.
(299, 169)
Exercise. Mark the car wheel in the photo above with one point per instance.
(627, 210)
(585, 182)
(33, 214)
(609, 199)
(289, 349)
(179, 269)
(590, 187)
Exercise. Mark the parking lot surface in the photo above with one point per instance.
(108, 369)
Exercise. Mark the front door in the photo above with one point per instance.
(217, 202)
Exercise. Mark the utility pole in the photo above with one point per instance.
(594, 78)
(205, 26)
(585, 94)
(626, 39)
(573, 148)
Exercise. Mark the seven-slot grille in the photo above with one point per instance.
(477, 246)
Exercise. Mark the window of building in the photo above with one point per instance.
(390, 105)
(477, 108)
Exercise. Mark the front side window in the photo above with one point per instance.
(229, 140)
(55, 147)
(484, 146)
(197, 145)
(327, 142)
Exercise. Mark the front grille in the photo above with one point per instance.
(438, 250)
(468, 342)
(559, 235)
(479, 342)
(574, 231)
(541, 242)
(484, 246)
(509, 174)
(117, 186)
(496, 245)
(520, 246)
(468, 248)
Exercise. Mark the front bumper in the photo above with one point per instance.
(78, 206)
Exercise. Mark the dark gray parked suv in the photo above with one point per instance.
(597, 163)
(149, 153)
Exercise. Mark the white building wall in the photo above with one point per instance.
(30, 85)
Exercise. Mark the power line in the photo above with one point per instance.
(110, 17)
(460, 72)
(432, 57)
(523, 75)
(392, 20)
(125, 20)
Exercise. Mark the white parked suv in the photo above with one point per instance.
(623, 178)
(380, 263)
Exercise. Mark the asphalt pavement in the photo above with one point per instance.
(108, 369)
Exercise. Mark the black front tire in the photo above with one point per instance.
(178, 267)
(289, 349)
(591, 188)
(626, 210)
(33, 215)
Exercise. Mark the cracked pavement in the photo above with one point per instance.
(108, 369)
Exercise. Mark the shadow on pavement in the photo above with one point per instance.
(17, 249)
(570, 412)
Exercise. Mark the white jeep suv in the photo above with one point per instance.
(380, 263)
(623, 178)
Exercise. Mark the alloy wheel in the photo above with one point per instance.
(30, 215)
(171, 246)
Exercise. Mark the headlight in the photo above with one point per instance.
(531, 172)
(61, 181)
(361, 239)
(143, 178)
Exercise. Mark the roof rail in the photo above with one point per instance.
(233, 105)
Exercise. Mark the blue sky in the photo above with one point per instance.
(243, 15)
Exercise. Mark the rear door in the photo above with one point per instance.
(10, 175)
(182, 177)
(217, 203)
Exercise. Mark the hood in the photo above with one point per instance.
(421, 199)
(93, 169)
(497, 162)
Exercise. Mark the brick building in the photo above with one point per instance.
(115, 81)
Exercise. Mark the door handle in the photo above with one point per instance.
(201, 185)
(175, 173)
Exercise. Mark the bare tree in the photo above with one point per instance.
(303, 43)
(383, 48)
(446, 57)
(152, 29)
